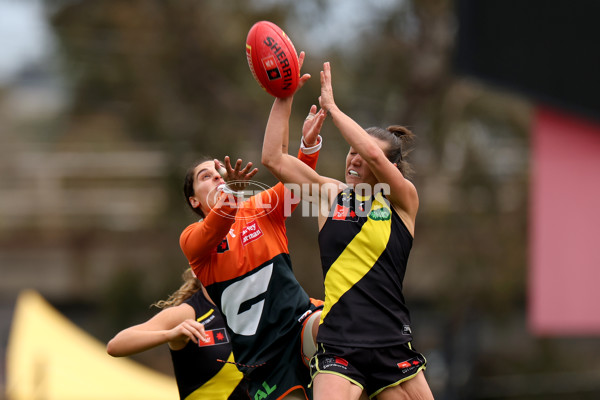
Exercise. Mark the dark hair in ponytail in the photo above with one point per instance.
(398, 138)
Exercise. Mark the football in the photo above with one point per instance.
(272, 59)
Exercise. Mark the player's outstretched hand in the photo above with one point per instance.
(304, 77)
(326, 99)
(312, 126)
(236, 177)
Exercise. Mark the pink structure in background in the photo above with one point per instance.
(564, 237)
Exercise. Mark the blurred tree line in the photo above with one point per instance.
(173, 74)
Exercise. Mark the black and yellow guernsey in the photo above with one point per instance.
(364, 252)
(198, 371)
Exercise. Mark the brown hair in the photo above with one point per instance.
(398, 138)
(188, 185)
(190, 286)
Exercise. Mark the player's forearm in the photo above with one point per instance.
(200, 238)
(132, 341)
(276, 133)
(355, 135)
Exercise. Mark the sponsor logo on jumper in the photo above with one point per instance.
(206, 321)
(223, 246)
(343, 213)
(340, 213)
(380, 214)
(263, 394)
(215, 337)
(251, 232)
(406, 330)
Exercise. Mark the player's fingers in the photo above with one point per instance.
(312, 112)
(196, 331)
(252, 173)
(320, 119)
(238, 166)
(326, 77)
(200, 333)
(303, 79)
(220, 168)
(247, 168)
(184, 329)
(227, 162)
(301, 59)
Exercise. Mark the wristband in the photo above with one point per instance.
(313, 149)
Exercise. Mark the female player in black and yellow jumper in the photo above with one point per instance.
(366, 233)
(198, 342)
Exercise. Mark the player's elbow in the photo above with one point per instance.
(270, 160)
(373, 154)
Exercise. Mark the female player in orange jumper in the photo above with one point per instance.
(239, 251)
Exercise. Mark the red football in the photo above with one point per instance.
(272, 59)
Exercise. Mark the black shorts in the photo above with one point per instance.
(372, 369)
(285, 374)
(279, 377)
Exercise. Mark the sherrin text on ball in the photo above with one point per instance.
(272, 59)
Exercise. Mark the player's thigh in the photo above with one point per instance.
(334, 387)
(415, 388)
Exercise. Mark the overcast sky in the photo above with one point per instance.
(24, 35)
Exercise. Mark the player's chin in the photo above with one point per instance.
(352, 179)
